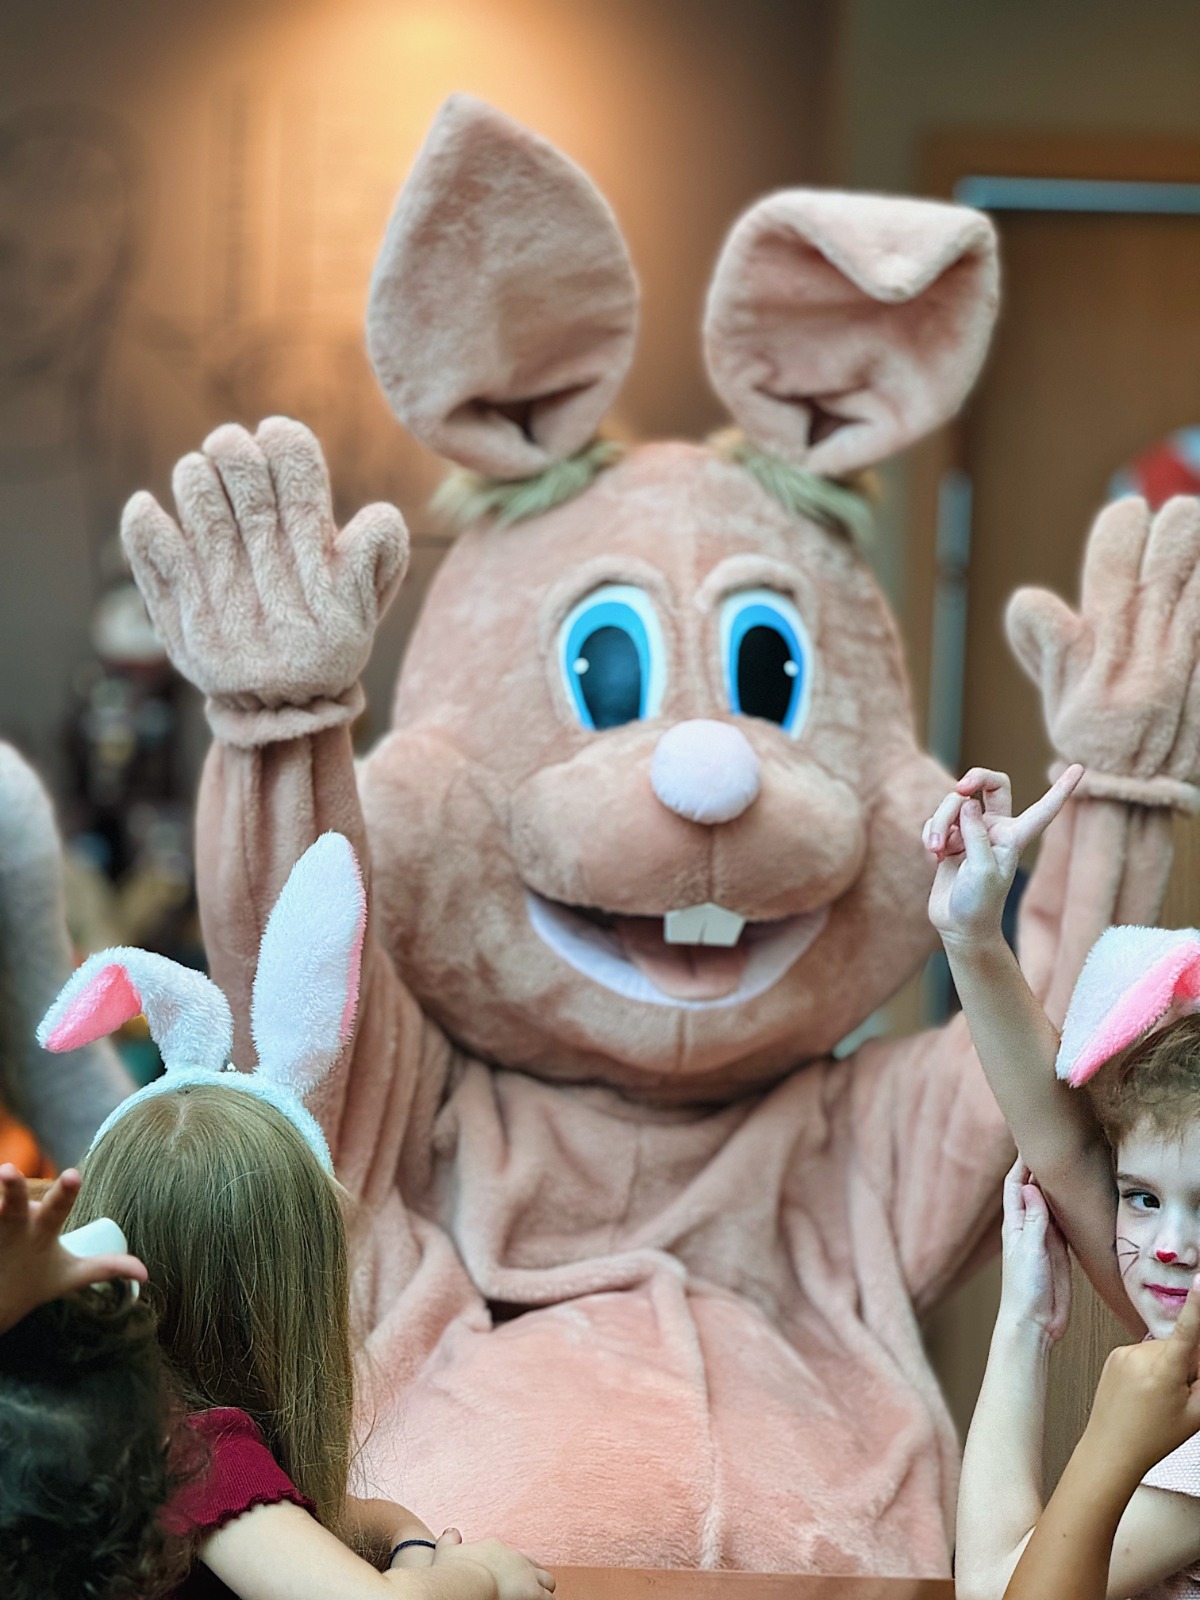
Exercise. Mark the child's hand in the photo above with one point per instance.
(1148, 1400)
(34, 1266)
(515, 1576)
(977, 843)
(1037, 1271)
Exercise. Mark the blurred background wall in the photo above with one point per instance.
(191, 197)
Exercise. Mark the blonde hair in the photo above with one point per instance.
(1156, 1080)
(244, 1239)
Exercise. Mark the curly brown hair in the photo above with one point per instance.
(1156, 1080)
(93, 1446)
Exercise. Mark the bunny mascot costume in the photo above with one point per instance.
(647, 1263)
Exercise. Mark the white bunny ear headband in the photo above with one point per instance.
(1134, 980)
(302, 1011)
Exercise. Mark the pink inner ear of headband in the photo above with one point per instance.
(102, 1007)
(1174, 978)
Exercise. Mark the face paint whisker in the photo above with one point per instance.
(1127, 1257)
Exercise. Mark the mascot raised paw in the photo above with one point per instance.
(64, 1101)
(645, 1265)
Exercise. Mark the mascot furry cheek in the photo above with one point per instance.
(679, 689)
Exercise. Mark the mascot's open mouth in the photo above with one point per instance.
(696, 957)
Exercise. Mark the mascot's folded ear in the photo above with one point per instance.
(840, 327)
(503, 305)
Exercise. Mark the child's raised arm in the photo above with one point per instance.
(978, 843)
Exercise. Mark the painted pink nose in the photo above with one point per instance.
(1165, 1255)
(705, 771)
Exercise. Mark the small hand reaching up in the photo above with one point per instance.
(1036, 1270)
(34, 1265)
(977, 843)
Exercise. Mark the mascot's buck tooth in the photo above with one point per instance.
(646, 1266)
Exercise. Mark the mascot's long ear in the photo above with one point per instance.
(503, 304)
(840, 327)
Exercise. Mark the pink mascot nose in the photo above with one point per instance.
(1165, 1255)
(705, 771)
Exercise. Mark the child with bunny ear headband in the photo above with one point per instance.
(1117, 1168)
(223, 1183)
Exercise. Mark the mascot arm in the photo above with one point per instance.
(270, 610)
(259, 810)
(1120, 691)
(63, 1099)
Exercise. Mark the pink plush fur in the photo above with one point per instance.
(1130, 982)
(187, 1014)
(705, 770)
(104, 1006)
(503, 306)
(840, 327)
(646, 1264)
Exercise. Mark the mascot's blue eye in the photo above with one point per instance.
(767, 658)
(612, 658)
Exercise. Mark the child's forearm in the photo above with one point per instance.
(1000, 1497)
(1070, 1551)
(1017, 1044)
(380, 1525)
(458, 1580)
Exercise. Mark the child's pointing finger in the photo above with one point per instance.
(1185, 1335)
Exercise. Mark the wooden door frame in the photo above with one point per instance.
(946, 157)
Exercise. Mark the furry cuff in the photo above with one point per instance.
(1131, 791)
(249, 724)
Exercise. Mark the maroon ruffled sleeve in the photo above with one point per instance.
(241, 1473)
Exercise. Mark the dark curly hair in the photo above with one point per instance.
(91, 1449)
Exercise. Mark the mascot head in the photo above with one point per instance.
(649, 814)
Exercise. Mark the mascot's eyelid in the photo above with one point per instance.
(736, 574)
(604, 572)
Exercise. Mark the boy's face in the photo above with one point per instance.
(1158, 1221)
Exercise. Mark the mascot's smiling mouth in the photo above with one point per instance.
(700, 957)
